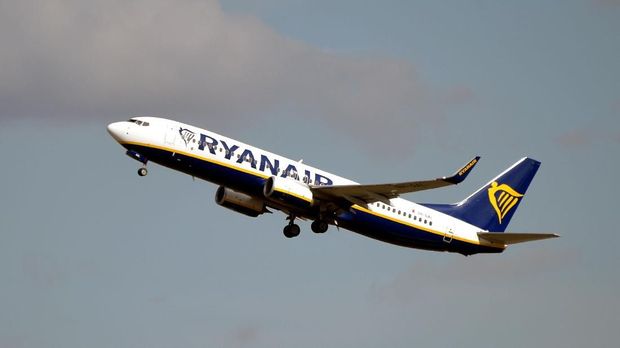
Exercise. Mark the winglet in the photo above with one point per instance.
(462, 173)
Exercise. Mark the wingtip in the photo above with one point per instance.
(462, 173)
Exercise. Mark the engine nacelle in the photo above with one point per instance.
(288, 191)
(239, 202)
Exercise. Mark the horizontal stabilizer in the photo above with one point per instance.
(514, 238)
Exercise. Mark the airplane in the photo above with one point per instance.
(252, 181)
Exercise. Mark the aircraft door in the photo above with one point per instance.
(170, 136)
(447, 237)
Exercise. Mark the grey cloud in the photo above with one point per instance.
(247, 335)
(584, 137)
(103, 60)
(575, 138)
(606, 3)
(615, 106)
(42, 271)
(474, 274)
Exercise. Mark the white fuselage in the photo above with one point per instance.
(241, 161)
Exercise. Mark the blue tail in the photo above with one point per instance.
(492, 206)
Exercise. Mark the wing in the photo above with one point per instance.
(514, 238)
(363, 194)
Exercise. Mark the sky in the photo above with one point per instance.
(376, 91)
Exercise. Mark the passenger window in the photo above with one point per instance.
(146, 124)
(139, 123)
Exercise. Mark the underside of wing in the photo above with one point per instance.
(514, 238)
(362, 194)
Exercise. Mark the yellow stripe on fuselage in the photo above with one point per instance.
(264, 176)
(206, 159)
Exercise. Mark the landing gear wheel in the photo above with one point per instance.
(291, 231)
(142, 171)
(319, 226)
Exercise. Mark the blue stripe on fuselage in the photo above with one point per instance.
(389, 231)
(357, 220)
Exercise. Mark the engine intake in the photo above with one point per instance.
(239, 202)
(288, 192)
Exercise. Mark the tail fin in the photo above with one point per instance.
(492, 206)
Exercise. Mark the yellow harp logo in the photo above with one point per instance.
(503, 198)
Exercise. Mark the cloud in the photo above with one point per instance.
(575, 138)
(12, 341)
(584, 137)
(100, 61)
(42, 271)
(606, 3)
(474, 275)
(459, 95)
(247, 335)
(615, 105)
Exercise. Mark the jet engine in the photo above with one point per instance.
(288, 191)
(239, 202)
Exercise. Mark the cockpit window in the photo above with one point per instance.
(138, 122)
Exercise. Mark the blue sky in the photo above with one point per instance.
(93, 255)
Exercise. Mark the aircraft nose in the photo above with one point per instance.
(116, 130)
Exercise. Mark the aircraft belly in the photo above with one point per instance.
(392, 232)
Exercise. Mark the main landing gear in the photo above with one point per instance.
(292, 229)
(319, 226)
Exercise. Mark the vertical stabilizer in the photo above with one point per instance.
(494, 204)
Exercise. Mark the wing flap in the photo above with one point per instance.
(384, 192)
(514, 238)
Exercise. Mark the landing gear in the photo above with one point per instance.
(319, 226)
(292, 229)
(138, 157)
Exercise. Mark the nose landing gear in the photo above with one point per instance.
(143, 171)
(140, 158)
